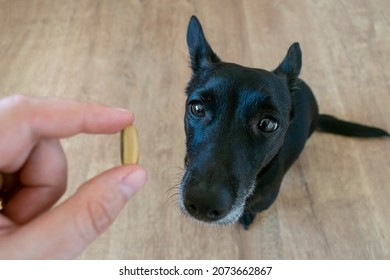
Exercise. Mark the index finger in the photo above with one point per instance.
(26, 120)
(58, 118)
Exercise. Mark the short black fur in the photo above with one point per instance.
(244, 128)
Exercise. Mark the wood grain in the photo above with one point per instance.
(133, 54)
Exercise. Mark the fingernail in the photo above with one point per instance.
(133, 182)
(121, 110)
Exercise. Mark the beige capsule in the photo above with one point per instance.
(129, 145)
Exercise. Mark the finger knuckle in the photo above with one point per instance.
(100, 214)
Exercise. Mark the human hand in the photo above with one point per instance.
(33, 173)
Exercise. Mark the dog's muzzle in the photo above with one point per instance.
(215, 204)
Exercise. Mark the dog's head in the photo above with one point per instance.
(235, 122)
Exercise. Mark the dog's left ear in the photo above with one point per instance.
(200, 50)
(291, 65)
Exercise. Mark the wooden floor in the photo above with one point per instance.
(334, 202)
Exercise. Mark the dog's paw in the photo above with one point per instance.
(247, 219)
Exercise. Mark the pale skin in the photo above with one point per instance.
(33, 168)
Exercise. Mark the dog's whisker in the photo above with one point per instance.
(175, 187)
(173, 197)
(173, 203)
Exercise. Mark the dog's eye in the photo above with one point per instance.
(197, 109)
(268, 124)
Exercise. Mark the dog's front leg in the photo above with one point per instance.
(247, 219)
(262, 198)
(262, 203)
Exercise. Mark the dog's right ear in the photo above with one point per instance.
(200, 50)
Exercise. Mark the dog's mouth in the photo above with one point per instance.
(217, 208)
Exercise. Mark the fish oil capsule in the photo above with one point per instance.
(129, 145)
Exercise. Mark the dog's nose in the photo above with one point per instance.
(205, 214)
(208, 207)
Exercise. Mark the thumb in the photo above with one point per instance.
(66, 231)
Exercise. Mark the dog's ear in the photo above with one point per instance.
(200, 50)
(291, 65)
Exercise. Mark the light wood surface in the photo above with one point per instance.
(334, 202)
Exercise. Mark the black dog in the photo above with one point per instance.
(245, 127)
